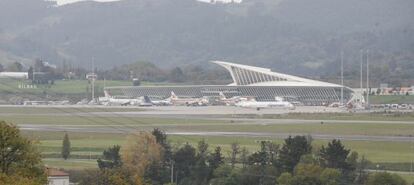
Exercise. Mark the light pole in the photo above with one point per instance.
(172, 171)
(342, 78)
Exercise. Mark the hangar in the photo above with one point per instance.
(258, 82)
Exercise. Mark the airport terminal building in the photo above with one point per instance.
(258, 82)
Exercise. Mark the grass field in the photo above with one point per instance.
(67, 86)
(84, 143)
(375, 116)
(408, 177)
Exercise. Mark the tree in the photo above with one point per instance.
(235, 150)
(225, 175)
(30, 73)
(335, 155)
(104, 177)
(378, 91)
(200, 172)
(308, 170)
(292, 151)
(140, 151)
(361, 166)
(185, 159)
(160, 172)
(261, 157)
(216, 159)
(272, 149)
(330, 176)
(285, 179)
(39, 65)
(202, 149)
(161, 139)
(244, 156)
(385, 178)
(136, 82)
(15, 67)
(19, 159)
(309, 159)
(304, 180)
(66, 147)
(111, 158)
(176, 75)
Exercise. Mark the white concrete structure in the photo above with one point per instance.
(14, 75)
(257, 76)
(251, 81)
(57, 177)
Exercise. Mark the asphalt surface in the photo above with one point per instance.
(122, 130)
(219, 113)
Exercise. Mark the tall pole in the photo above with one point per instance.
(93, 79)
(342, 78)
(172, 171)
(412, 150)
(361, 78)
(368, 91)
(33, 75)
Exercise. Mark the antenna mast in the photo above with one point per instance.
(361, 78)
(93, 79)
(342, 78)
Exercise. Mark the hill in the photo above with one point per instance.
(296, 36)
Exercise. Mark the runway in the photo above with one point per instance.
(216, 115)
(125, 130)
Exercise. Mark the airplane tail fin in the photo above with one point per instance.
(173, 96)
(278, 99)
(147, 99)
(107, 94)
(222, 96)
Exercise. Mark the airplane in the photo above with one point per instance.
(164, 102)
(175, 100)
(279, 103)
(231, 101)
(122, 101)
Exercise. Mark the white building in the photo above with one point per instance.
(14, 75)
(261, 83)
(57, 177)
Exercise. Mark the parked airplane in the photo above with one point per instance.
(231, 101)
(123, 101)
(279, 103)
(175, 100)
(164, 102)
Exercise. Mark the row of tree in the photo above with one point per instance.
(194, 74)
(144, 71)
(12, 67)
(148, 158)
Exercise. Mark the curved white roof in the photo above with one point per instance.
(257, 76)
